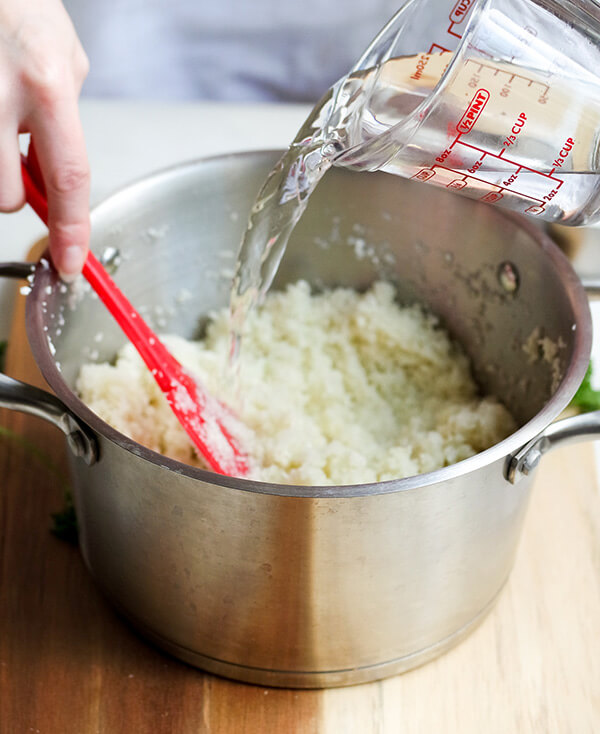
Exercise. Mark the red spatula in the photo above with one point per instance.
(203, 416)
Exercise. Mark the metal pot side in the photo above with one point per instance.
(296, 586)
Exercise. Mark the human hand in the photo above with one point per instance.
(42, 68)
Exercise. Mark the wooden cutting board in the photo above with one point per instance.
(69, 665)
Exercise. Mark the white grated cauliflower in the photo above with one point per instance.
(335, 388)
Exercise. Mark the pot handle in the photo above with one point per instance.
(569, 430)
(563, 432)
(17, 395)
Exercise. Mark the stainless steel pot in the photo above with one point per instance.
(311, 586)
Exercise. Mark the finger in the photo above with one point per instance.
(60, 148)
(12, 192)
(33, 164)
(81, 66)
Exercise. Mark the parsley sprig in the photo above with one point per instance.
(587, 398)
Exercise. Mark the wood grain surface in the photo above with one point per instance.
(69, 665)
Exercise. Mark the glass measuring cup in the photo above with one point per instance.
(501, 103)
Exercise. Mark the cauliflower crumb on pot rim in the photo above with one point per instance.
(308, 585)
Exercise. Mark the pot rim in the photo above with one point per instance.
(576, 369)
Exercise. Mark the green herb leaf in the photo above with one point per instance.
(586, 398)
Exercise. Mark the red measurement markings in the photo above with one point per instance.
(499, 188)
(475, 108)
(436, 48)
(426, 174)
(563, 154)
(512, 75)
(519, 166)
(490, 197)
(458, 15)
(511, 178)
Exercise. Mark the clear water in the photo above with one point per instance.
(366, 122)
(334, 126)
(285, 194)
(535, 149)
(277, 209)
